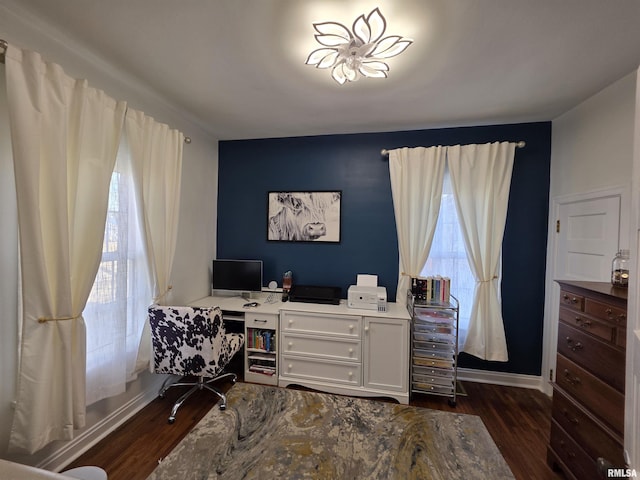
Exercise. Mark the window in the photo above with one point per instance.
(116, 309)
(448, 257)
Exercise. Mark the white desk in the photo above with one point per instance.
(330, 348)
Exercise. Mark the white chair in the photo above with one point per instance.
(86, 473)
(192, 341)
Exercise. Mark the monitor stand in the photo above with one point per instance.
(250, 295)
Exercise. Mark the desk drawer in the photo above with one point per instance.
(261, 320)
(321, 370)
(329, 348)
(600, 358)
(591, 392)
(334, 325)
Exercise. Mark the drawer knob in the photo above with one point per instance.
(350, 374)
(571, 379)
(351, 350)
(258, 320)
(350, 327)
(290, 366)
(574, 345)
(290, 322)
(583, 323)
(567, 298)
(366, 329)
(290, 344)
(608, 311)
(573, 420)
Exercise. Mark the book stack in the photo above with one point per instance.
(432, 289)
(261, 339)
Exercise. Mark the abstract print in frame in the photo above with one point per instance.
(304, 216)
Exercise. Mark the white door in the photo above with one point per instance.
(588, 238)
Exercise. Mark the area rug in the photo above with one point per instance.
(276, 433)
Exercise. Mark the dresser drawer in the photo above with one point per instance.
(604, 330)
(600, 358)
(621, 337)
(605, 311)
(261, 320)
(333, 325)
(321, 370)
(595, 439)
(329, 348)
(596, 396)
(581, 465)
(572, 300)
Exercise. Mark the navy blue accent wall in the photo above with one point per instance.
(249, 169)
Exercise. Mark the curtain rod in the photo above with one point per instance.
(3, 50)
(521, 144)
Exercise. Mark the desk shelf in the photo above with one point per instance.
(261, 356)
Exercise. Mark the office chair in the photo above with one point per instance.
(192, 342)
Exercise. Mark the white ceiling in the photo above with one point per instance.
(237, 66)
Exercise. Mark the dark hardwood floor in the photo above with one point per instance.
(518, 419)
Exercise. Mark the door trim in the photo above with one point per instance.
(552, 289)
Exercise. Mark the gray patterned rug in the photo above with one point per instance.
(277, 433)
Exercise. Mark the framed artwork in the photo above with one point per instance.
(304, 216)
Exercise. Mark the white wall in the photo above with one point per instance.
(591, 151)
(195, 245)
(592, 144)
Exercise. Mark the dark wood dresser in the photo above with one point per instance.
(588, 395)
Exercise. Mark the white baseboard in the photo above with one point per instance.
(501, 378)
(71, 450)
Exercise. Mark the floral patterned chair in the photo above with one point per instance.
(192, 341)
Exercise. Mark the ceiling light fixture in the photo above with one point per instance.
(357, 53)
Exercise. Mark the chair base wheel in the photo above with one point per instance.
(171, 421)
(223, 407)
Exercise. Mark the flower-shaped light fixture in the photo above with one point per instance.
(357, 53)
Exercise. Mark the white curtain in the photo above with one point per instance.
(416, 185)
(65, 137)
(156, 156)
(117, 307)
(481, 180)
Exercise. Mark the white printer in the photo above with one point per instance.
(367, 297)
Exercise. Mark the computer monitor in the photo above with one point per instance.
(243, 276)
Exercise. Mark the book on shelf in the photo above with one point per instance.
(260, 339)
(267, 357)
(431, 289)
(262, 369)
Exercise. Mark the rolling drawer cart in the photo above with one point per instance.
(434, 347)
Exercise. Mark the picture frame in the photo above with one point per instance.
(304, 216)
